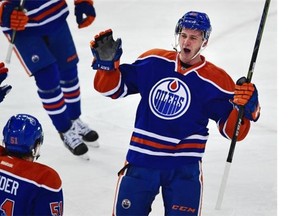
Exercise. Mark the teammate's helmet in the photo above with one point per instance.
(21, 133)
(196, 21)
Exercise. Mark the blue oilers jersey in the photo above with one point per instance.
(29, 188)
(44, 15)
(176, 104)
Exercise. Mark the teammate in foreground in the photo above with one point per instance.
(5, 89)
(46, 50)
(27, 187)
(180, 91)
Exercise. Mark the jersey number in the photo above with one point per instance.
(56, 208)
(7, 206)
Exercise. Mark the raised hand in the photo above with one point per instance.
(106, 51)
(84, 12)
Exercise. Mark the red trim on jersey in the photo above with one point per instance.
(32, 171)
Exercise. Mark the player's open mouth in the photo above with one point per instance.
(187, 51)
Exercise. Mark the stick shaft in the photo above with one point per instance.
(10, 48)
(249, 78)
(241, 108)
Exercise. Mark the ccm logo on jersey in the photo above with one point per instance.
(183, 208)
(169, 98)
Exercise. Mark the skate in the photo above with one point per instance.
(74, 143)
(88, 135)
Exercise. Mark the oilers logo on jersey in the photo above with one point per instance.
(169, 98)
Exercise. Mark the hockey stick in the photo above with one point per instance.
(241, 108)
(11, 44)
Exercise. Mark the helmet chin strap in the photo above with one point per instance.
(176, 43)
(200, 49)
(36, 152)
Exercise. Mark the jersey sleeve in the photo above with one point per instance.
(128, 77)
(49, 202)
(49, 199)
(118, 83)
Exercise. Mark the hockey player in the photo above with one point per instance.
(45, 47)
(4, 90)
(27, 187)
(180, 91)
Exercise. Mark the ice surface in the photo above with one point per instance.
(89, 185)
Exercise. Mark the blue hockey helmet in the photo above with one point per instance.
(21, 134)
(196, 21)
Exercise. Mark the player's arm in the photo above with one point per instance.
(107, 52)
(49, 203)
(50, 198)
(245, 95)
(5, 89)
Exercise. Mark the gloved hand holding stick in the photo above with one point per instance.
(20, 18)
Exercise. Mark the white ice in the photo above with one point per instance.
(89, 185)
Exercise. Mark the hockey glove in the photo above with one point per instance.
(13, 18)
(84, 12)
(246, 95)
(6, 88)
(106, 51)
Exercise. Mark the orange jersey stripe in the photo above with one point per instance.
(48, 12)
(162, 146)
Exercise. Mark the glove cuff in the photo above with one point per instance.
(2, 7)
(86, 1)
